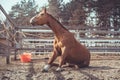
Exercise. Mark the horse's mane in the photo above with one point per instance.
(58, 22)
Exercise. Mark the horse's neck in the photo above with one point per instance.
(56, 27)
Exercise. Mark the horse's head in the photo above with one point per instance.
(40, 19)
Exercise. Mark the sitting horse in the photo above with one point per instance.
(65, 45)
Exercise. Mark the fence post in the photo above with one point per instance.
(8, 52)
(8, 57)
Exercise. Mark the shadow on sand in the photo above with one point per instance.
(31, 71)
(86, 71)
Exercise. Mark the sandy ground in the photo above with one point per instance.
(102, 67)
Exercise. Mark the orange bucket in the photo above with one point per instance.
(25, 57)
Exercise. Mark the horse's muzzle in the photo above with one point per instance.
(32, 21)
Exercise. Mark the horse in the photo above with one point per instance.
(65, 45)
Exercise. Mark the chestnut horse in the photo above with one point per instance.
(65, 45)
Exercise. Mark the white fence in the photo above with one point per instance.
(93, 44)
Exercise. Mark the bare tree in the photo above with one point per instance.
(23, 11)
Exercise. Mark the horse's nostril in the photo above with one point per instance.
(32, 22)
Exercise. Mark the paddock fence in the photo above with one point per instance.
(40, 41)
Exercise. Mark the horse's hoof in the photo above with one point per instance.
(59, 69)
(46, 68)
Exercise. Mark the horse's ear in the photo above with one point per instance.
(44, 10)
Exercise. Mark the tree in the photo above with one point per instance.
(54, 8)
(108, 12)
(78, 15)
(115, 15)
(0, 24)
(74, 13)
(23, 11)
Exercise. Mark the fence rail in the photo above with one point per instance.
(93, 44)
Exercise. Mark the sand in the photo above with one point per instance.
(102, 67)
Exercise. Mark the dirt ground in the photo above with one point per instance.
(102, 67)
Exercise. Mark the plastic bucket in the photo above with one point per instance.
(25, 57)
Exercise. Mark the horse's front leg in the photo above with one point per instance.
(62, 59)
(61, 62)
(54, 56)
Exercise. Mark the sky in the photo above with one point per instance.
(7, 4)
